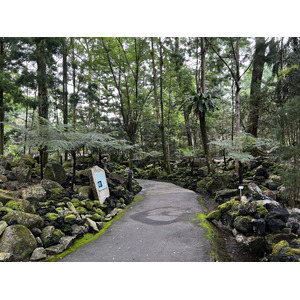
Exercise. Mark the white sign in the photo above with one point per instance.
(99, 184)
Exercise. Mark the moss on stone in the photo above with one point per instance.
(96, 218)
(52, 216)
(261, 209)
(292, 251)
(214, 215)
(58, 233)
(75, 202)
(278, 246)
(81, 210)
(56, 193)
(70, 218)
(228, 205)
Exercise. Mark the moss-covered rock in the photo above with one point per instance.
(70, 219)
(34, 191)
(214, 215)
(278, 246)
(6, 196)
(76, 202)
(243, 224)
(261, 209)
(96, 218)
(26, 219)
(19, 241)
(4, 211)
(86, 192)
(228, 205)
(154, 173)
(52, 216)
(56, 193)
(225, 195)
(21, 204)
(54, 171)
(50, 184)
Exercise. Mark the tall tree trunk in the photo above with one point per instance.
(257, 73)
(42, 89)
(1, 97)
(237, 102)
(73, 81)
(65, 89)
(202, 114)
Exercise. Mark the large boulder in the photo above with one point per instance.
(243, 224)
(225, 195)
(22, 205)
(3, 226)
(25, 219)
(18, 241)
(50, 184)
(34, 191)
(50, 236)
(86, 192)
(54, 171)
(255, 192)
(23, 173)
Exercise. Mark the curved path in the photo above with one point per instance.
(156, 229)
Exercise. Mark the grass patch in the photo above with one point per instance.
(213, 236)
(89, 237)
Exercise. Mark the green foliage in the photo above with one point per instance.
(200, 102)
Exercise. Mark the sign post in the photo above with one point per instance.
(99, 183)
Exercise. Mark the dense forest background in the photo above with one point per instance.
(165, 98)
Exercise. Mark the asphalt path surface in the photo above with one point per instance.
(157, 229)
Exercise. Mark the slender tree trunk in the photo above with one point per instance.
(74, 82)
(65, 90)
(237, 102)
(42, 89)
(257, 73)
(202, 114)
(1, 97)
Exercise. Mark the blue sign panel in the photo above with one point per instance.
(101, 180)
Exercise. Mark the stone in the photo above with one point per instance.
(22, 205)
(214, 215)
(67, 241)
(38, 254)
(262, 171)
(55, 249)
(74, 210)
(77, 230)
(270, 194)
(86, 192)
(5, 257)
(6, 196)
(275, 225)
(55, 172)
(250, 207)
(70, 219)
(225, 195)
(92, 225)
(259, 227)
(36, 232)
(269, 204)
(26, 219)
(118, 179)
(36, 191)
(278, 212)
(19, 241)
(23, 174)
(3, 226)
(46, 236)
(50, 184)
(256, 192)
(243, 224)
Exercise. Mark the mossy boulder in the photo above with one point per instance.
(34, 191)
(23, 173)
(278, 246)
(86, 192)
(19, 241)
(76, 202)
(96, 217)
(214, 215)
(70, 219)
(26, 219)
(224, 195)
(261, 209)
(50, 236)
(243, 224)
(100, 212)
(6, 196)
(220, 182)
(4, 211)
(228, 205)
(22, 205)
(50, 184)
(56, 193)
(54, 171)
(52, 216)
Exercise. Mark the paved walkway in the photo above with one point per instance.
(157, 229)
